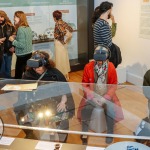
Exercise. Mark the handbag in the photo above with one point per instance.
(115, 57)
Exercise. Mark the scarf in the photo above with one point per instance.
(101, 82)
(101, 72)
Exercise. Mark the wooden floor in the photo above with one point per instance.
(76, 76)
(126, 95)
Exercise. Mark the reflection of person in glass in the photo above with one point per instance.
(62, 35)
(41, 67)
(101, 72)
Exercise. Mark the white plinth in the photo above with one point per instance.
(121, 73)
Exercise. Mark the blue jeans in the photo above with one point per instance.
(6, 66)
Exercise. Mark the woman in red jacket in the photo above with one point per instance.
(101, 72)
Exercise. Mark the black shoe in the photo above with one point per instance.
(84, 139)
(109, 140)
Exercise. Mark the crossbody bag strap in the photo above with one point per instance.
(41, 76)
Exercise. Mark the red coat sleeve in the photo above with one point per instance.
(88, 80)
(112, 74)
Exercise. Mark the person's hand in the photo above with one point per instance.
(68, 36)
(12, 49)
(2, 40)
(98, 101)
(11, 38)
(62, 105)
(112, 18)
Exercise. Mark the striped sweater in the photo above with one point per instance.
(23, 41)
(102, 33)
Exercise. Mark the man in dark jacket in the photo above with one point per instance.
(6, 49)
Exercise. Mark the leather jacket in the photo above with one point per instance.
(6, 31)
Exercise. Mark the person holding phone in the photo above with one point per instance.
(101, 28)
(111, 17)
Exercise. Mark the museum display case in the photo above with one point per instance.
(30, 113)
(76, 13)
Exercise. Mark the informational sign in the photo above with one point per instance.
(6, 141)
(145, 19)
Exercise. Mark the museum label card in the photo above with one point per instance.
(94, 148)
(46, 145)
(6, 141)
(20, 87)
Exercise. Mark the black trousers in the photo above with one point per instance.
(86, 113)
(21, 63)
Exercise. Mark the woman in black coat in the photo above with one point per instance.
(53, 95)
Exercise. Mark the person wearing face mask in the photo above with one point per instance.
(100, 72)
(22, 43)
(6, 48)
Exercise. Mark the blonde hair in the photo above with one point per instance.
(23, 20)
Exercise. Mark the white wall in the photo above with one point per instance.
(135, 50)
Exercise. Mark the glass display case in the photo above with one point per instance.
(76, 13)
(35, 111)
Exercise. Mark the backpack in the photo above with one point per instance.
(115, 57)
